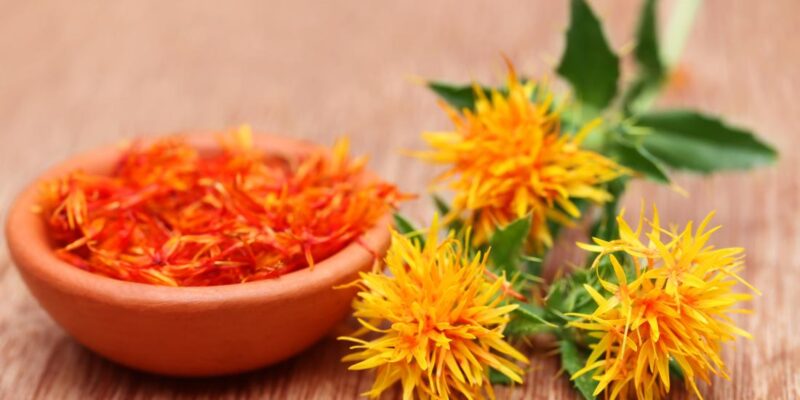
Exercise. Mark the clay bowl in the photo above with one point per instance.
(186, 331)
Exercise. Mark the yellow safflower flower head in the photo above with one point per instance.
(672, 303)
(439, 316)
(509, 157)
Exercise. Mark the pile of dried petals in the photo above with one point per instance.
(169, 216)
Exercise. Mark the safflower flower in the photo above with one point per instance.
(673, 304)
(509, 157)
(440, 318)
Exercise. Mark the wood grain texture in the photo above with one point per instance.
(77, 74)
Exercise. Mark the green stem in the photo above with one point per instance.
(678, 29)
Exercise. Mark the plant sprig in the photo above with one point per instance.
(650, 143)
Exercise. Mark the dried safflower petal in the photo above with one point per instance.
(169, 216)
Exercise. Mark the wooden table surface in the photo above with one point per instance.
(77, 74)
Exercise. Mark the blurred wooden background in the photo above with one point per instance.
(77, 74)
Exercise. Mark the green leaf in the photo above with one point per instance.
(458, 96)
(527, 320)
(651, 68)
(577, 299)
(639, 95)
(567, 294)
(675, 368)
(533, 265)
(639, 159)
(498, 378)
(556, 295)
(647, 48)
(521, 327)
(532, 259)
(532, 313)
(441, 206)
(405, 227)
(573, 359)
(689, 140)
(588, 62)
(507, 243)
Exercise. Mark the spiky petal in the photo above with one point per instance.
(670, 300)
(439, 321)
(509, 157)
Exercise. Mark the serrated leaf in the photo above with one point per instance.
(463, 96)
(693, 141)
(637, 158)
(457, 96)
(573, 359)
(507, 243)
(647, 50)
(405, 227)
(651, 68)
(528, 320)
(588, 62)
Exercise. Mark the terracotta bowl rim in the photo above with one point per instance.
(33, 252)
